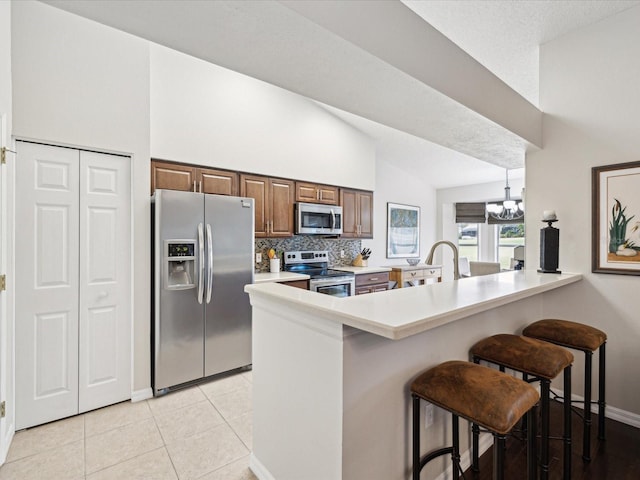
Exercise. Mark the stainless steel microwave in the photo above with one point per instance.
(315, 219)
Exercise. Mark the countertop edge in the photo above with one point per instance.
(279, 277)
(339, 310)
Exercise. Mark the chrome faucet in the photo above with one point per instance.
(456, 269)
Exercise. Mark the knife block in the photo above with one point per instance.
(359, 261)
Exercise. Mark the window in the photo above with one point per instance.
(468, 240)
(509, 237)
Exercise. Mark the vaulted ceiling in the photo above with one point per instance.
(359, 59)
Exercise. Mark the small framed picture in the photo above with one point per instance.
(403, 231)
(616, 219)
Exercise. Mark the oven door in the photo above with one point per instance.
(335, 286)
(318, 219)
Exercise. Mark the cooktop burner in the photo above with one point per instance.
(313, 263)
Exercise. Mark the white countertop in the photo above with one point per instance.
(268, 277)
(362, 270)
(400, 313)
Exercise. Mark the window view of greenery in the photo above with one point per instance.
(510, 237)
(468, 240)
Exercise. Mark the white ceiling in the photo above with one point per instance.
(269, 41)
(504, 35)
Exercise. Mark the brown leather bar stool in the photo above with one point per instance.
(543, 361)
(588, 339)
(493, 399)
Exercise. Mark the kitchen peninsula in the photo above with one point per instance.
(331, 375)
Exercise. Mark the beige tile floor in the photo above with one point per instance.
(203, 432)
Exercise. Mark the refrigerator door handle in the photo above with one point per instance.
(200, 263)
(210, 263)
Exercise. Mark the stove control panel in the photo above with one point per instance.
(308, 256)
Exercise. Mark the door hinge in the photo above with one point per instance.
(3, 409)
(3, 283)
(3, 154)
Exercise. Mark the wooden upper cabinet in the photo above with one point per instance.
(281, 200)
(365, 211)
(219, 182)
(313, 193)
(349, 213)
(273, 204)
(257, 188)
(172, 176)
(357, 213)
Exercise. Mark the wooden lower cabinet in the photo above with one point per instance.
(372, 282)
(186, 178)
(304, 284)
(274, 200)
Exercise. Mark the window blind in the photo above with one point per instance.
(471, 212)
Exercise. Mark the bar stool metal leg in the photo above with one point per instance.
(498, 456)
(532, 459)
(567, 424)
(455, 454)
(416, 437)
(601, 392)
(586, 420)
(544, 433)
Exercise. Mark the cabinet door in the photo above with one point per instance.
(219, 182)
(307, 192)
(172, 176)
(365, 212)
(328, 195)
(257, 187)
(312, 193)
(349, 219)
(281, 198)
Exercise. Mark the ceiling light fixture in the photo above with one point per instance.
(509, 209)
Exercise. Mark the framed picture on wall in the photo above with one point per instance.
(403, 231)
(616, 219)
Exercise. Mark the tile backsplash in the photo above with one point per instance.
(350, 247)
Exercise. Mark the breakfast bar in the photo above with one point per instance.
(331, 375)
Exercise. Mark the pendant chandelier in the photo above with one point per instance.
(509, 209)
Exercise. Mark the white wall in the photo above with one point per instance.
(589, 93)
(78, 83)
(399, 186)
(209, 115)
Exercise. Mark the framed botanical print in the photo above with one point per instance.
(403, 231)
(616, 219)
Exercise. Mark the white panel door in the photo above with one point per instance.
(105, 280)
(47, 211)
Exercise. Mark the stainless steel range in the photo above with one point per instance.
(322, 278)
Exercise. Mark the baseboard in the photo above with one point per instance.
(258, 469)
(617, 414)
(485, 442)
(139, 395)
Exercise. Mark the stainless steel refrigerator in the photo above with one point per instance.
(202, 257)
